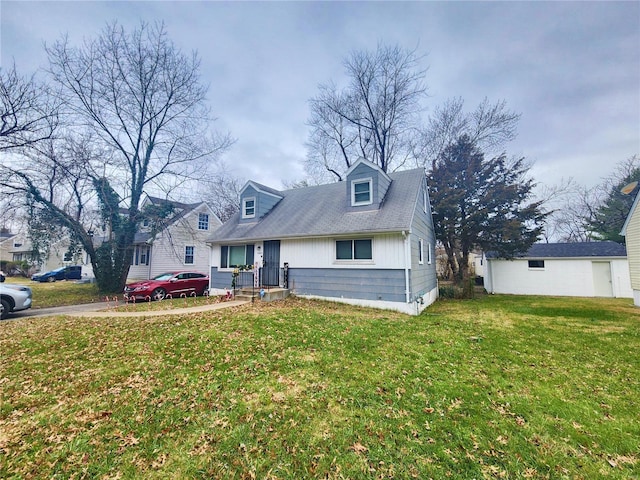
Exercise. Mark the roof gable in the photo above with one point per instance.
(371, 165)
(261, 189)
(256, 201)
(180, 211)
(372, 183)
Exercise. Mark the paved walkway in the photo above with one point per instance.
(157, 313)
(102, 310)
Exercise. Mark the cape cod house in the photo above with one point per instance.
(631, 232)
(177, 242)
(366, 241)
(582, 269)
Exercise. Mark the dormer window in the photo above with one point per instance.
(249, 207)
(361, 192)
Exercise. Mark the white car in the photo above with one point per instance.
(13, 298)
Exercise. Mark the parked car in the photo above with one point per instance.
(70, 272)
(13, 298)
(175, 284)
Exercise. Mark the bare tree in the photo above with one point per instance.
(582, 214)
(28, 112)
(223, 194)
(569, 205)
(490, 126)
(375, 117)
(142, 103)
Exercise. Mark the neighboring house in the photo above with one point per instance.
(587, 269)
(631, 232)
(367, 241)
(21, 249)
(6, 243)
(178, 242)
(18, 249)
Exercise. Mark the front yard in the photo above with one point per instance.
(59, 293)
(497, 387)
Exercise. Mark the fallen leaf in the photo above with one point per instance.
(358, 448)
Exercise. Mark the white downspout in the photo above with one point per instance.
(407, 264)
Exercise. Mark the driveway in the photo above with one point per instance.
(99, 310)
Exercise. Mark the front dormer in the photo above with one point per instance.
(367, 185)
(256, 201)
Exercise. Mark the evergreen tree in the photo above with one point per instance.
(480, 203)
(609, 217)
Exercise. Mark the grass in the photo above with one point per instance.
(56, 294)
(60, 293)
(496, 387)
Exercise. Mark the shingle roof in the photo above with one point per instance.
(323, 210)
(572, 250)
(264, 188)
(141, 237)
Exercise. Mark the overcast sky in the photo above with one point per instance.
(571, 69)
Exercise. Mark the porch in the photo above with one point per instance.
(270, 284)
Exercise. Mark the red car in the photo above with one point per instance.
(176, 284)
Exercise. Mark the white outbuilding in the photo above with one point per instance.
(585, 269)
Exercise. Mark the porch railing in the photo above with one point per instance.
(246, 279)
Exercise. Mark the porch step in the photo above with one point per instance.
(269, 295)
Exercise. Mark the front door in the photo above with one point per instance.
(271, 264)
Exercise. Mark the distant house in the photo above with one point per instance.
(367, 241)
(631, 232)
(18, 248)
(6, 247)
(178, 242)
(586, 269)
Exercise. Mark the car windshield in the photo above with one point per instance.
(57, 270)
(164, 276)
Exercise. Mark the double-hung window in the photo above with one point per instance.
(249, 207)
(354, 249)
(203, 221)
(361, 192)
(189, 254)
(232, 256)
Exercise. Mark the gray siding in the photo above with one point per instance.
(379, 183)
(219, 279)
(264, 202)
(423, 277)
(381, 186)
(386, 285)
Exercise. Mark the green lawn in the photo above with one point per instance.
(59, 293)
(497, 387)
